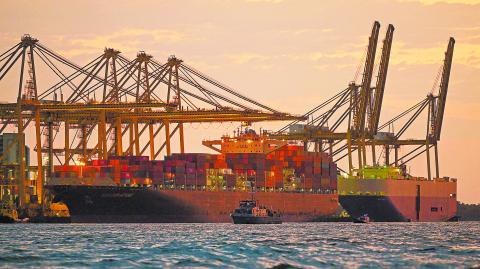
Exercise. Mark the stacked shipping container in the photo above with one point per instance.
(289, 168)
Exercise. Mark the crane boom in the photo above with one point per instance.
(442, 96)
(381, 81)
(361, 104)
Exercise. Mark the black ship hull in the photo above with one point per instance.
(122, 205)
(256, 220)
(378, 208)
(6, 219)
(105, 204)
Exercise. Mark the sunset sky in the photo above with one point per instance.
(289, 54)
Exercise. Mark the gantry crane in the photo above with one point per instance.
(435, 106)
(375, 107)
(361, 101)
(112, 96)
(363, 112)
(360, 105)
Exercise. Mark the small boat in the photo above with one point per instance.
(24, 220)
(250, 213)
(8, 214)
(362, 219)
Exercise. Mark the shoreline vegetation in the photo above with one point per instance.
(468, 212)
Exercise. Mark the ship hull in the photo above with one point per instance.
(256, 220)
(103, 204)
(379, 208)
(396, 200)
(6, 219)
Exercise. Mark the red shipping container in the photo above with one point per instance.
(125, 175)
(201, 180)
(189, 182)
(259, 183)
(157, 181)
(325, 172)
(59, 168)
(325, 183)
(308, 183)
(156, 168)
(333, 171)
(231, 180)
(333, 184)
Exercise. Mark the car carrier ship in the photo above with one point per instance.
(198, 187)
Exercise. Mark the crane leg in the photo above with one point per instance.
(437, 168)
(132, 140)
(387, 155)
(396, 156)
(152, 144)
(102, 136)
(359, 150)
(349, 146)
(118, 136)
(182, 141)
(374, 156)
(67, 143)
(39, 158)
(50, 148)
(167, 137)
(428, 161)
(137, 139)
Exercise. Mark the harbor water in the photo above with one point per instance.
(289, 245)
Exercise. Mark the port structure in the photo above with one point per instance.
(357, 109)
(434, 106)
(119, 99)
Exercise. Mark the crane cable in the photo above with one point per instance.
(360, 65)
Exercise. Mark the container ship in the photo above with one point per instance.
(388, 194)
(198, 187)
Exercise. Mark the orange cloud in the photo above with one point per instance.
(264, 1)
(464, 53)
(433, 2)
(245, 58)
(128, 40)
(306, 31)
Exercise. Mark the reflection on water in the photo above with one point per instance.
(306, 245)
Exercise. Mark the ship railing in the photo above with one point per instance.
(241, 189)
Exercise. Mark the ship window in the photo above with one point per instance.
(434, 209)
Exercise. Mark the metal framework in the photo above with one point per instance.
(123, 101)
(360, 106)
(356, 108)
(435, 105)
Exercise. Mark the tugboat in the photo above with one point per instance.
(362, 219)
(250, 213)
(8, 214)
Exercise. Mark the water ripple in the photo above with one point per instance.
(300, 245)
